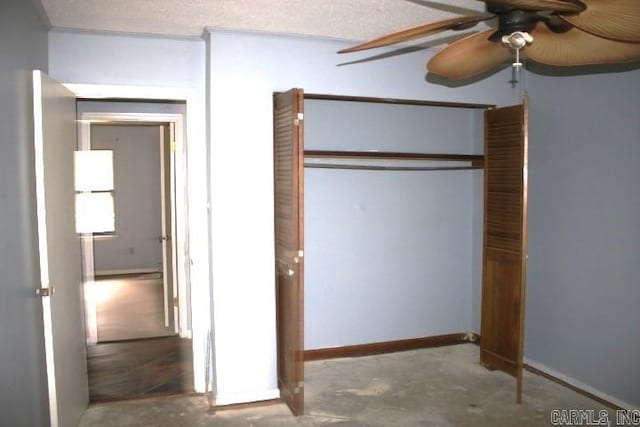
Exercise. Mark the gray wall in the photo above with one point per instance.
(388, 254)
(23, 395)
(584, 222)
(137, 199)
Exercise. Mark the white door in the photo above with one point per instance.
(59, 249)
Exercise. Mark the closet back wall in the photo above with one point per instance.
(389, 255)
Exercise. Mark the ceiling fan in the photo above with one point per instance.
(552, 32)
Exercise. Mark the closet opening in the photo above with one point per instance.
(380, 227)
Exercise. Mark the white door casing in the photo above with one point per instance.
(193, 260)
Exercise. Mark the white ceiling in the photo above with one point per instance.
(342, 19)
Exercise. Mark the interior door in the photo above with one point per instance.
(505, 240)
(59, 250)
(289, 244)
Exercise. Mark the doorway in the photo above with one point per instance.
(193, 260)
(137, 311)
(56, 124)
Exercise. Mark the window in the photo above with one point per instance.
(94, 191)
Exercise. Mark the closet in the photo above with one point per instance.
(394, 247)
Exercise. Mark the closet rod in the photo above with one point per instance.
(476, 159)
(374, 100)
(387, 168)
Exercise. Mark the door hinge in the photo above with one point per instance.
(299, 388)
(175, 302)
(300, 255)
(45, 292)
(174, 146)
(298, 119)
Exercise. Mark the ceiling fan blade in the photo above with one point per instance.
(469, 57)
(539, 5)
(577, 47)
(611, 19)
(422, 30)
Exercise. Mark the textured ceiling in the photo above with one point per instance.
(343, 19)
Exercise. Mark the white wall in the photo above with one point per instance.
(137, 199)
(584, 240)
(388, 254)
(23, 47)
(245, 69)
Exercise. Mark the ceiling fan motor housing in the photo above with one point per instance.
(512, 21)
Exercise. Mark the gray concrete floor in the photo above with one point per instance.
(443, 386)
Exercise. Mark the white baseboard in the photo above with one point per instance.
(579, 384)
(248, 397)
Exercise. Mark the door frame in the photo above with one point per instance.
(179, 214)
(197, 260)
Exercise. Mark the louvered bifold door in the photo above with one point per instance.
(505, 240)
(289, 241)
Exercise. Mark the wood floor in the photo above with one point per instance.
(139, 368)
(137, 355)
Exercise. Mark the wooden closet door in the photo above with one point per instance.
(505, 240)
(289, 242)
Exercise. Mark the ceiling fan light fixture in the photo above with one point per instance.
(517, 40)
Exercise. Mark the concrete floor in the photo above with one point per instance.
(443, 386)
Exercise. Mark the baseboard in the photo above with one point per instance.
(389, 346)
(123, 272)
(247, 405)
(253, 398)
(577, 386)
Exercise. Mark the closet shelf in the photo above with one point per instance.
(477, 161)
